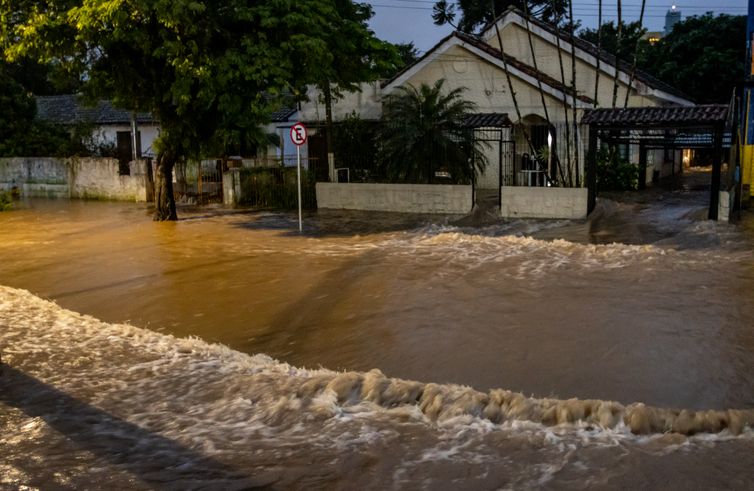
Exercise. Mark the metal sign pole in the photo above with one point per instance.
(298, 171)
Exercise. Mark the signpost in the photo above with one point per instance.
(298, 137)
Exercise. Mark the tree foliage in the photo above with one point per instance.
(704, 56)
(21, 135)
(423, 134)
(477, 13)
(201, 67)
(615, 173)
(631, 35)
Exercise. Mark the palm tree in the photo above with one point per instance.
(617, 61)
(423, 133)
(599, 53)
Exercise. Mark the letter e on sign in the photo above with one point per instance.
(298, 134)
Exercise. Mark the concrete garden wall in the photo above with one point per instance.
(85, 178)
(407, 198)
(543, 202)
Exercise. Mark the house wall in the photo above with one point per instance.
(406, 198)
(87, 178)
(366, 103)
(543, 202)
(516, 43)
(109, 134)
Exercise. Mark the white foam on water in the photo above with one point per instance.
(221, 402)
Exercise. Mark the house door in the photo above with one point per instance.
(124, 150)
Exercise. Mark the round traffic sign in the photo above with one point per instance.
(298, 134)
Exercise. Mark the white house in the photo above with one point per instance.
(111, 127)
(477, 63)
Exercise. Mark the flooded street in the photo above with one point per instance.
(646, 303)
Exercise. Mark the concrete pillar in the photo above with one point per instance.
(232, 186)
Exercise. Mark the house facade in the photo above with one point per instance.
(111, 128)
(478, 64)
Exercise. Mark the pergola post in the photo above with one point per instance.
(717, 167)
(591, 170)
(642, 166)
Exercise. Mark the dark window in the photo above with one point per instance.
(125, 150)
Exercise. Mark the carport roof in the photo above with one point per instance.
(657, 117)
(487, 120)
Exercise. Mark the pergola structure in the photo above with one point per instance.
(654, 128)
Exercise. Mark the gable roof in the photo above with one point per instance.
(495, 54)
(71, 109)
(587, 47)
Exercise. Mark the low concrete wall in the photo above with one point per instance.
(85, 178)
(407, 198)
(543, 202)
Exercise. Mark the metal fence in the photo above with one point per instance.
(277, 187)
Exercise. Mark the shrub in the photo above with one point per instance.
(276, 188)
(615, 173)
(5, 201)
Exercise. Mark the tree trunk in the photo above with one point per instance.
(573, 106)
(599, 54)
(565, 178)
(636, 55)
(617, 55)
(327, 90)
(164, 201)
(510, 83)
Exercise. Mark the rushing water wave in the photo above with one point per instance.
(615, 352)
(197, 410)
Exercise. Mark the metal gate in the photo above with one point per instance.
(500, 151)
(199, 182)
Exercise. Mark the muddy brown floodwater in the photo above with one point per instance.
(645, 303)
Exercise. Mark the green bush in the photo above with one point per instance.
(5, 201)
(615, 173)
(276, 188)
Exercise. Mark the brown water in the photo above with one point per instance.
(663, 317)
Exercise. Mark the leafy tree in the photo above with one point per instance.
(407, 55)
(631, 34)
(199, 66)
(477, 13)
(704, 56)
(357, 56)
(615, 173)
(423, 133)
(21, 135)
(356, 146)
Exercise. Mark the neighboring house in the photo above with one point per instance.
(111, 127)
(366, 103)
(475, 62)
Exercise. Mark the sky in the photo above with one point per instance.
(401, 21)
